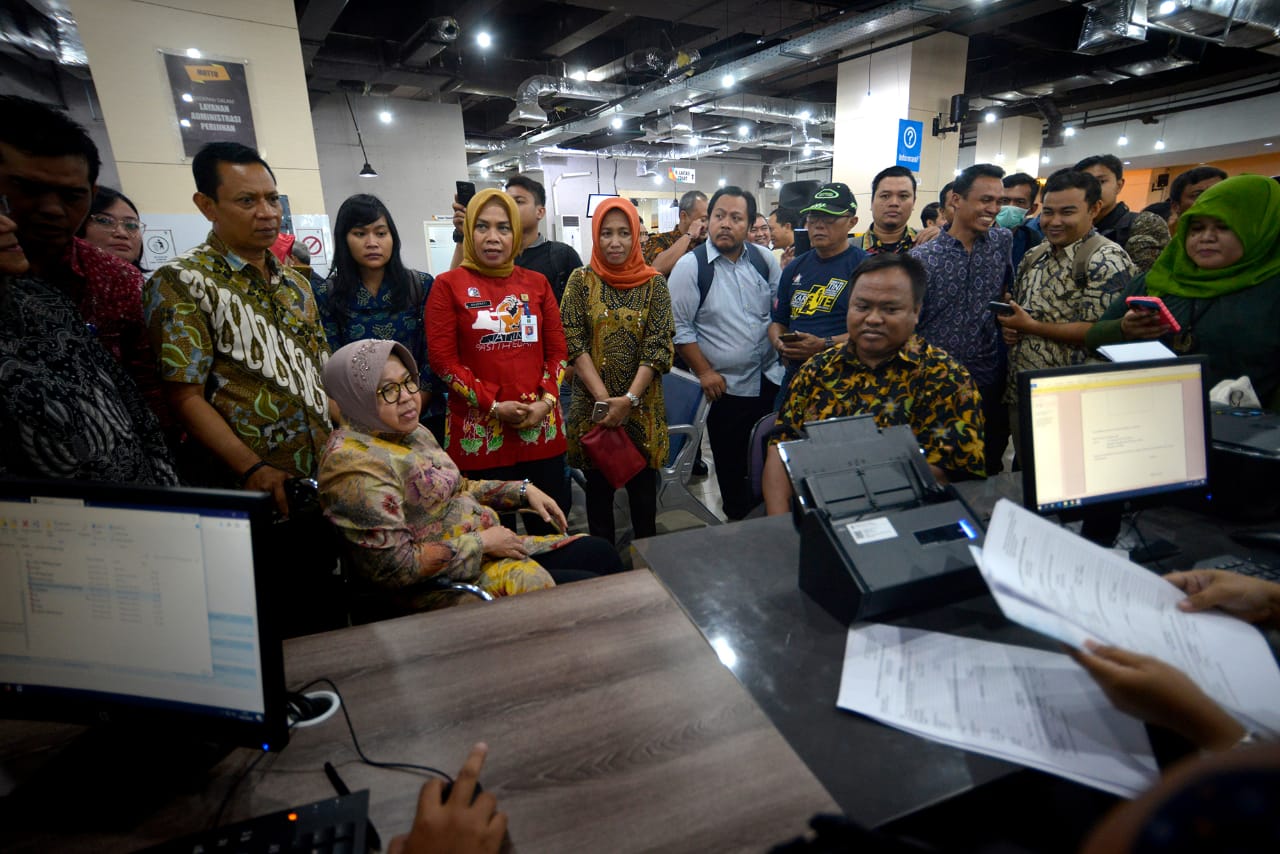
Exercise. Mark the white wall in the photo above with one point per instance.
(417, 157)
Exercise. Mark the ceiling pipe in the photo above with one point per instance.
(430, 40)
(763, 108)
(528, 113)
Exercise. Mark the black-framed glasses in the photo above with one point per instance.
(109, 222)
(390, 393)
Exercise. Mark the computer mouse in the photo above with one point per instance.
(448, 790)
(1258, 539)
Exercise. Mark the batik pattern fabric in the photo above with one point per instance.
(620, 330)
(920, 387)
(871, 243)
(254, 343)
(68, 409)
(477, 344)
(1047, 289)
(1148, 234)
(407, 513)
(377, 315)
(955, 315)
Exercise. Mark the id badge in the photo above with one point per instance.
(529, 328)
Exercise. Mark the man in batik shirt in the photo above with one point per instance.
(887, 371)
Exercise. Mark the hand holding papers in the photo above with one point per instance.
(1050, 580)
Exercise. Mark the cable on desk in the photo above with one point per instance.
(402, 766)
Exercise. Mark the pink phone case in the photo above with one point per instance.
(1165, 314)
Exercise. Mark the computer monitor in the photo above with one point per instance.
(594, 200)
(1107, 434)
(144, 608)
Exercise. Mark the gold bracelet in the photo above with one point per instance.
(550, 400)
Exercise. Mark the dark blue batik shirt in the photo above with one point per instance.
(955, 315)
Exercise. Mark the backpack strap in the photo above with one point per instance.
(1080, 271)
(706, 273)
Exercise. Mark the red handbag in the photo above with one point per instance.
(613, 454)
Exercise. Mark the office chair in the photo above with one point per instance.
(687, 410)
(756, 449)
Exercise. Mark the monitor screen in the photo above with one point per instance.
(1112, 432)
(594, 200)
(139, 605)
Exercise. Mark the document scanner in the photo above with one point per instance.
(878, 534)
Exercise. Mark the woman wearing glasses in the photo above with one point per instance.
(408, 514)
(113, 225)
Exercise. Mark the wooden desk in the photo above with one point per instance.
(612, 726)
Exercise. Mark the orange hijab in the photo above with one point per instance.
(634, 271)
(470, 257)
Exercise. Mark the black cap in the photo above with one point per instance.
(834, 199)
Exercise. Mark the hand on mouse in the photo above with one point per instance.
(465, 823)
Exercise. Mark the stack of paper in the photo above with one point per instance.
(1048, 579)
(1028, 706)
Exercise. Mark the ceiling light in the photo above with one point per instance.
(743, 130)
(727, 81)
(385, 117)
(1268, 144)
(657, 179)
(1127, 162)
(578, 74)
(1068, 131)
(777, 185)
(722, 182)
(484, 39)
(808, 149)
(1123, 140)
(1044, 158)
(186, 96)
(1159, 145)
(805, 115)
(193, 53)
(366, 171)
(990, 117)
(1167, 7)
(617, 122)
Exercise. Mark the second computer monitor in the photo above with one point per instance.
(1095, 434)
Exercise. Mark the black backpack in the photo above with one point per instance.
(706, 273)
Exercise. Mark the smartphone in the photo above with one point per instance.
(789, 337)
(1148, 303)
(600, 411)
(466, 191)
(1003, 309)
(801, 241)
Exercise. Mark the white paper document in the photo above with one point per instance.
(1027, 706)
(1137, 351)
(1051, 580)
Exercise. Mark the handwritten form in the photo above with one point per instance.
(1050, 580)
(1023, 705)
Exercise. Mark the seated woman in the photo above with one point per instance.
(1220, 278)
(406, 511)
(617, 323)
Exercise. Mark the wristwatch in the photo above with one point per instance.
(635, 400)
(830, 343)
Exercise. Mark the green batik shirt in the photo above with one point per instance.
(871, 243)
(920, 387)
(255, 344)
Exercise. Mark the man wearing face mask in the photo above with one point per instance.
(1063, 286)
(1017, 207)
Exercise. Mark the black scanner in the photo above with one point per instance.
(879, 535)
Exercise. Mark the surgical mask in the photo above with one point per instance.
(1010, 216)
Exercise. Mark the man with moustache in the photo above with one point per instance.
(893, 197)
(239, 336)
(724, 339)
(968, 266)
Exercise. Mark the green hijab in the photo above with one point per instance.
(1250, 207)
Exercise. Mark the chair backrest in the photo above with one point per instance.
(756, 452)
(686, 407)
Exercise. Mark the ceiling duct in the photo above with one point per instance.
(529, 114)
(430, 40)
(762, 108)
(43, 29)
(1112, 25)
(1234, 23)
(645, 168)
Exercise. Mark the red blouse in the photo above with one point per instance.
(496, 339)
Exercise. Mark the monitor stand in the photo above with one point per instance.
(111, 777)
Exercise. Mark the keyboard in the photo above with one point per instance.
(1244, 566)
(333, 826)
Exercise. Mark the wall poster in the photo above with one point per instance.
(211, 98)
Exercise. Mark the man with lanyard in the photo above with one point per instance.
(1017, 207)
(241, 345)
(1143, 235)
(551, 258)
(813, 294)
(662, 251)
(724, 339)
(1063, 287)
(893, 197)
(968, 266)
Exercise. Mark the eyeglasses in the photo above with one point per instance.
(109, 222)
(823, 221)
(390, 393)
